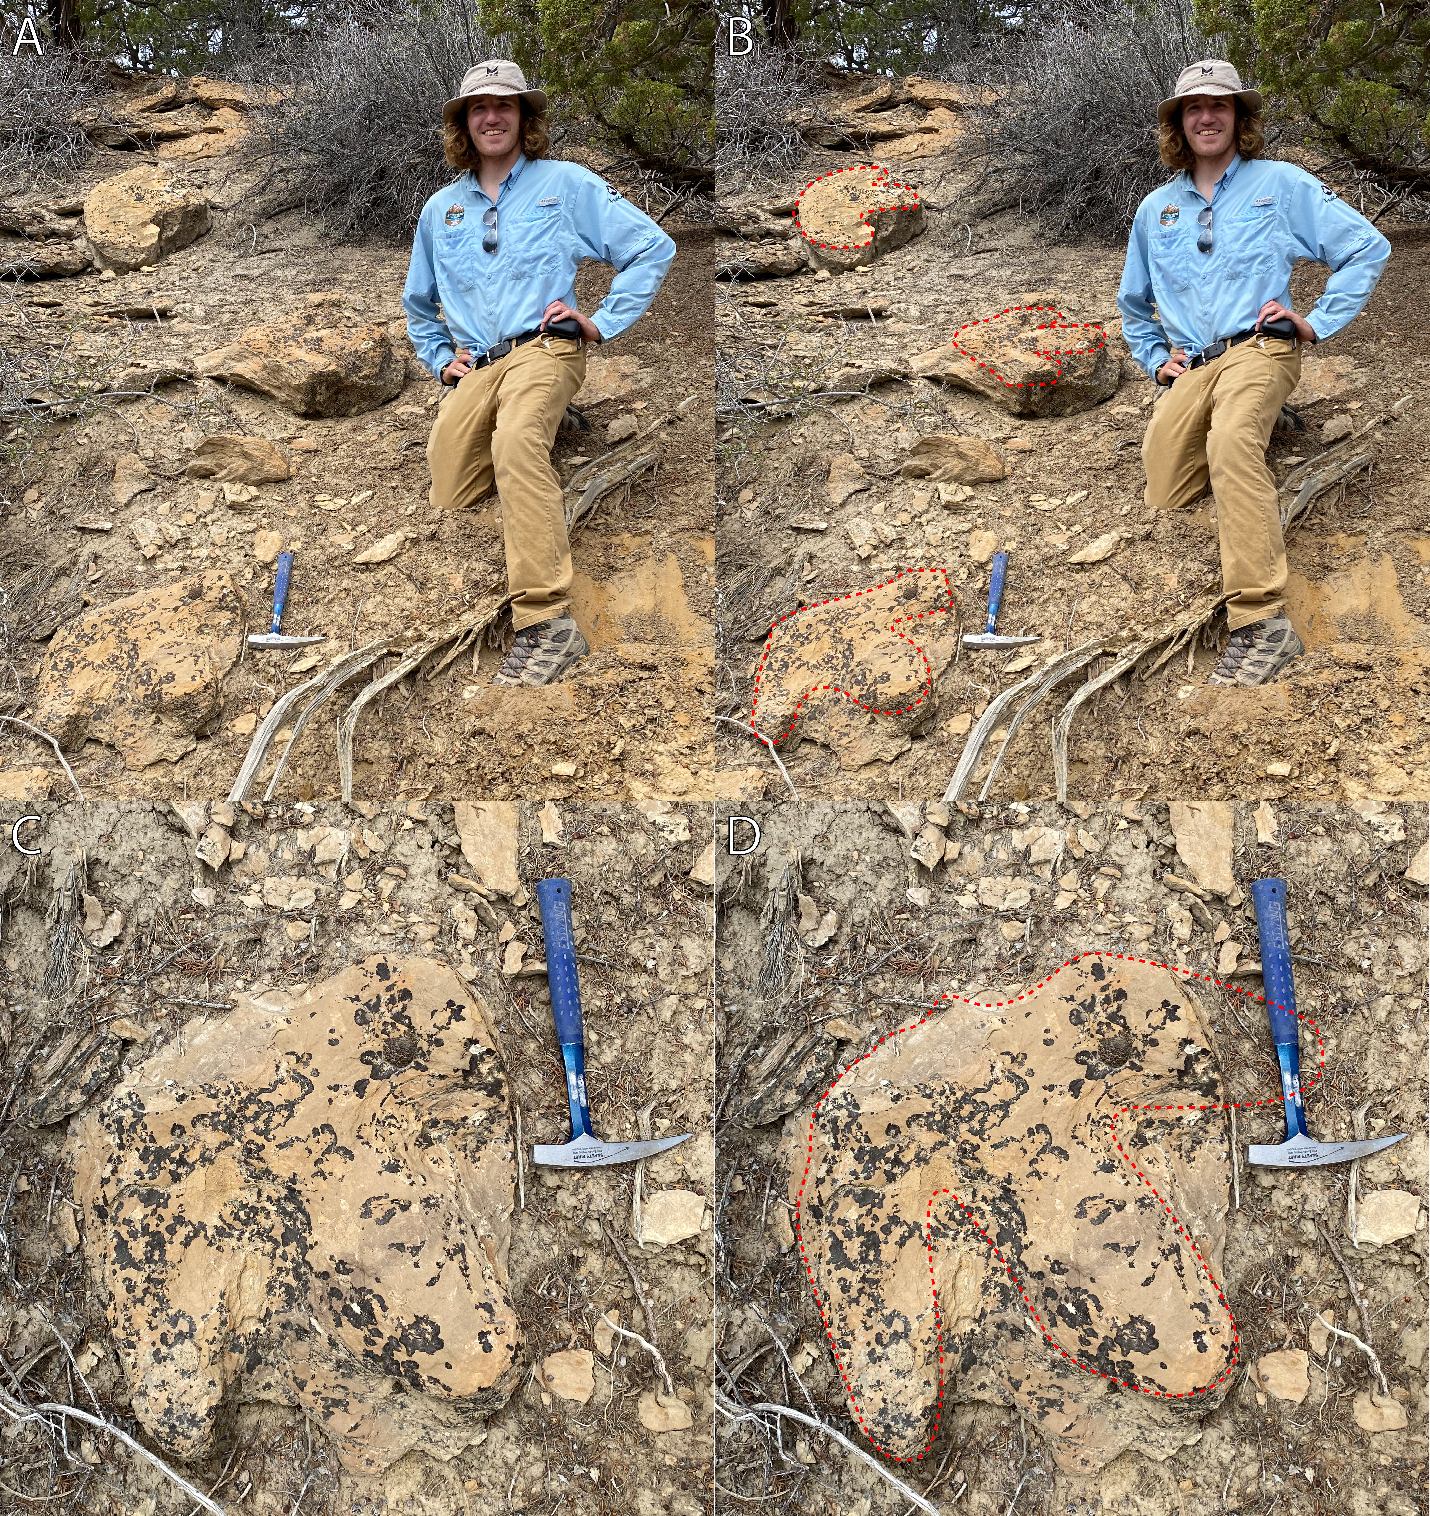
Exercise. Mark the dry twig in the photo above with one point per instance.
(735, 1412)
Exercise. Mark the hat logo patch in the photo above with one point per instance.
(455, 215)
(1207, 70)
(1169, 215)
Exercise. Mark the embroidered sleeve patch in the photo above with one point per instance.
(1169, 215)
(1328, 192)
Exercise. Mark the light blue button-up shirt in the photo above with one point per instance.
(1265, 215)
(550, 215)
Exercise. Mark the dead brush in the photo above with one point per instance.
(763, 99)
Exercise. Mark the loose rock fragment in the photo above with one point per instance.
(135, 219)
(1375, 1413)
(1284, 1375)
(1202, 829)
(488, 832)
(570, 1375)
(247, 460)
(661, 1413)
(671, 1216)
(1386, 1216)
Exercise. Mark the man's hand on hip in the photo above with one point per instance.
(1273, 310)
(558, 310)
(458, 367)
(1174, 366)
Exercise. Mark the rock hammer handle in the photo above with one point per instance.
(553, 899)
(995, 590)
(1268, 899)
(280, 590)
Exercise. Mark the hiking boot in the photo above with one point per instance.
(1257, 653)
(542, 653)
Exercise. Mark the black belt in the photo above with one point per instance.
(1221, 345)
(502, 348)
(1281, 328)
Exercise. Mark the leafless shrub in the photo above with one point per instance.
(1072, 128)
(761, 99)
(356, 131)
(43, 99)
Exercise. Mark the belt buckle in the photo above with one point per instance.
(1216, 349)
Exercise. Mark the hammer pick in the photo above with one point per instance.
(584, 1151)
(1299, 1151)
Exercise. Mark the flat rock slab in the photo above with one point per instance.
(852, 216)
(143, 674)
(1031, 359)
(310, 369)
(857, 672)
(993, 1146)
(135, 219)
(308, 1201)
(242, 460)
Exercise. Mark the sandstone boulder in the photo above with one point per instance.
(311, 369)
(852, 216)
(248, 460)
(953, 460)
(856, 673)
(994, 1146)
(308, 1201)
(224, 94)
(611, 379)
(136, 219)
(1032, 359)
(143, 674)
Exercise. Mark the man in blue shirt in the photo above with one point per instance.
(491, 310)
(1206, 310)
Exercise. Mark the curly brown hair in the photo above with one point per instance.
(1172, 141)
(535, 138)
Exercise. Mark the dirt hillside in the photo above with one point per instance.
(102, 507)
(823, 406)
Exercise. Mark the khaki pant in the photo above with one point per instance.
(1212, 427)
(496, 428)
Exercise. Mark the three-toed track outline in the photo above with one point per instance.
(1060, 324)
(925, 689)
(928, 1218)
(883, 181)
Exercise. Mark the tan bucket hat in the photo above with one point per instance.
(1212, 76)
(497, 76)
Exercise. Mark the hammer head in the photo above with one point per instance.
(276, 639)
(587, 1152)
(1301, 1152)
(995, 639)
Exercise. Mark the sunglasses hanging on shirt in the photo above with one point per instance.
(489, 236)
(1204, 236)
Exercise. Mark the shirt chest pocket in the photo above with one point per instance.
(1253, 240)
(1171, 254)
(455, 254)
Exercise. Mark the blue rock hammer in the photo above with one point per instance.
(1268, 898)
(584, 1151)
(273, 637)
(988, 637)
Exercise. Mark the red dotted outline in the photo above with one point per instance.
(881, 181)
(938, 1319)
(1062, 324)
(925, 688)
